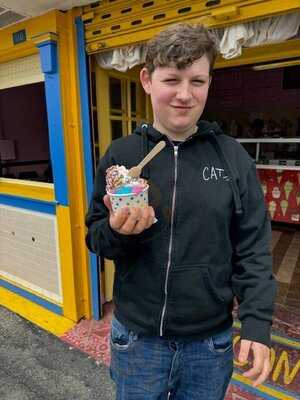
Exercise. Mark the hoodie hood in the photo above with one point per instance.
(206, 131)
(204, 128)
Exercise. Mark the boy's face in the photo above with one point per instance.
(178, 96)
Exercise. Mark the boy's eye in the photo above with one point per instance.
(198, 82)
(171, 80)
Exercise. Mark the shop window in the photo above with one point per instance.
(261, 109)
(116, 129)
(115, 95)
(24, 137)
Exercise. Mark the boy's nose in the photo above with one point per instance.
(184, 93)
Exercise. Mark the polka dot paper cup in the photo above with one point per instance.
(130, 200)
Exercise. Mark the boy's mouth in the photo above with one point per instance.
(182, 107)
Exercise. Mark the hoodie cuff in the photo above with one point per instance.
(256, 330)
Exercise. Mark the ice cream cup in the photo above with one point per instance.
(129, 200)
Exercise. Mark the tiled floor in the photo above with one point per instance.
(92, 337)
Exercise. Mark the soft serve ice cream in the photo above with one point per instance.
(125, 191)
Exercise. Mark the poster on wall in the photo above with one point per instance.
(282, 194)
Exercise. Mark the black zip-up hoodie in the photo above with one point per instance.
(211, 242)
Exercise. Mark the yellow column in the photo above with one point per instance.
(74, 160)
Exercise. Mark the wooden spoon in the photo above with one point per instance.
(135, 172)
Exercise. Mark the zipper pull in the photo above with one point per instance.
(175, 151)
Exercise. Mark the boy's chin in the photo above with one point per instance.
(182, 128)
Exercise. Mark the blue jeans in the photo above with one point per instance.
(155, 368)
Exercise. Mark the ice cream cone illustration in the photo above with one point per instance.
(288, 187)
(279, 177)
(272, 208)
(264, 188)
(284, 206)
(298, 198)
(276, 192)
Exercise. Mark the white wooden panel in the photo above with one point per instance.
(29, 251)
(21, 71)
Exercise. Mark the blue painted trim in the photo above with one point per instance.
(32, 297)
(28, 204)
(49, 63)
(85, 107)
(48, 52)
(259, 393)
(87, 153)
(95, 285)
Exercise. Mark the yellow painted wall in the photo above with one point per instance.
(73, 253)
(140, 24)
(74, 156)
(33, 27)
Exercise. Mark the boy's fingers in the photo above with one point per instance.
(106, 201)
(264, 374)
(142, 224)
(118, 219)
(244, 350)
(132, 220)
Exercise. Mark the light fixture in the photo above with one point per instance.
(279, 64)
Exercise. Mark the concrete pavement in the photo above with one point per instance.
(35, 365)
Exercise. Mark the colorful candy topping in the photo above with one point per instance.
(119, 182)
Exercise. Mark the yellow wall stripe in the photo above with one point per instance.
(29, 189)
(53, 323)
(16, 283)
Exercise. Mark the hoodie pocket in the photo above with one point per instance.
(196, 294)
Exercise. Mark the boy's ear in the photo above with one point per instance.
(145, 79)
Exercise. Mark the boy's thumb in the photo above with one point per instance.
(107, 203)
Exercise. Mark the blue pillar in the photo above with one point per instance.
(95, 275)
(49, 64)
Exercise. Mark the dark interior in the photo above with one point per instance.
(24, 136)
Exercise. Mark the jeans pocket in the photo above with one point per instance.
(221, 342)
(121, 338)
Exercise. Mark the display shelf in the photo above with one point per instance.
(261, 141)
(269, 140)
(279, 167)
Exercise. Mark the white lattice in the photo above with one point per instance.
(22, 71)
(29, 251)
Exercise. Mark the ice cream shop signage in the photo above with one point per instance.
(282, 194)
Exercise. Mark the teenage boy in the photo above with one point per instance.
(176, 279)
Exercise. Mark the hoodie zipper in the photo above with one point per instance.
(170, 242)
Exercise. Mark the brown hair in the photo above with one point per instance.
(181, 44)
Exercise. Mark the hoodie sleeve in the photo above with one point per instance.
(252, 280)
(101, 238)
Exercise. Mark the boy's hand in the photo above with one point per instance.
(261, 361)
(129, 221)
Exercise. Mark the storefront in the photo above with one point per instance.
(44, 273)
(255, 93)
(81, 77)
